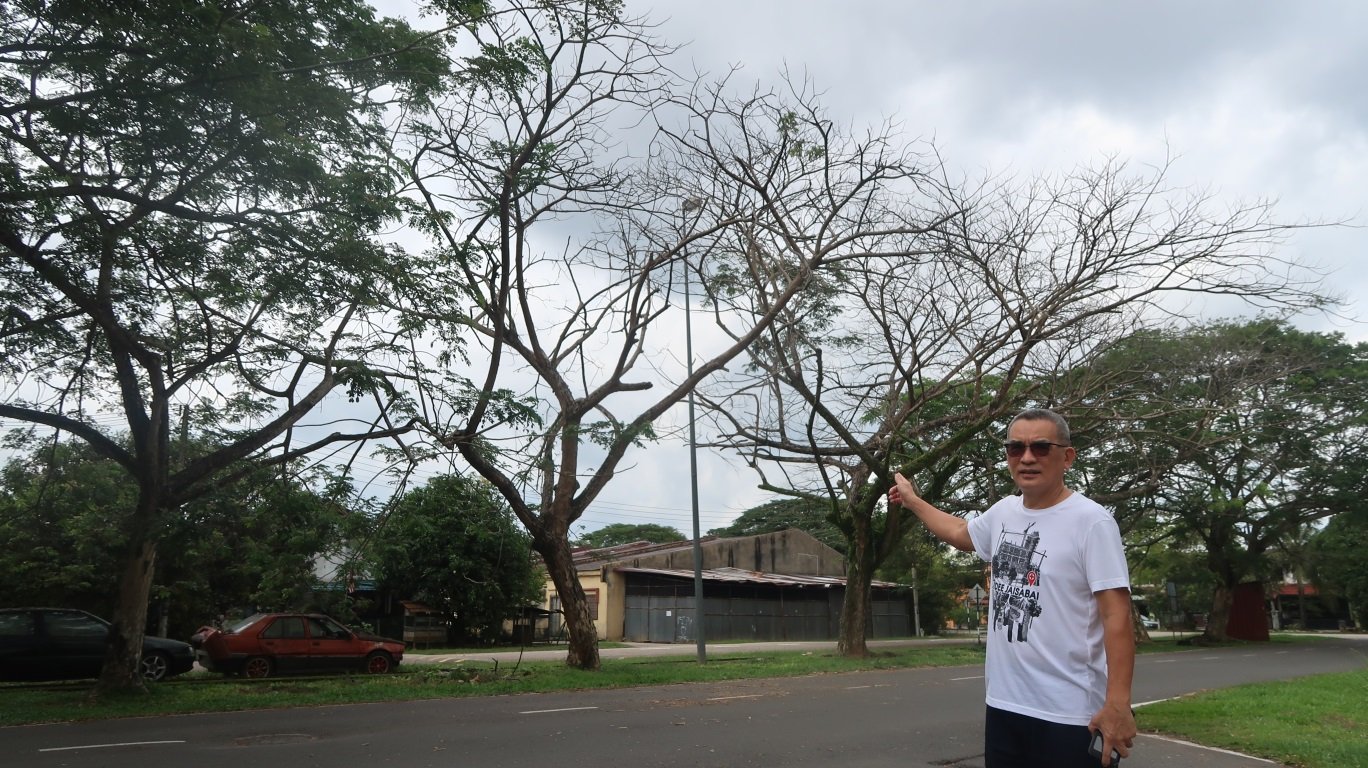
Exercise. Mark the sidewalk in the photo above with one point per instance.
(1155, 751)
(1158, 752)
(1161, 752)
(638, 650)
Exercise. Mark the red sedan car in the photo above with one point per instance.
(266, 644)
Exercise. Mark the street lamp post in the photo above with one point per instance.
(693, 205)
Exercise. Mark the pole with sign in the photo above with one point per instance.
(976, 595)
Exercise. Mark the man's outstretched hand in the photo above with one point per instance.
(902, 492)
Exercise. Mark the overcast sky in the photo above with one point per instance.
(1255, 99)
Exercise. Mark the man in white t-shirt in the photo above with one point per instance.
(1061, 648)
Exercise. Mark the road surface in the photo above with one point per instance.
(921, 717)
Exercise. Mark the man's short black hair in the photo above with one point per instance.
(1045, 414)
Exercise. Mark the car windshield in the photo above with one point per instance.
(326, 627)
(244, 623)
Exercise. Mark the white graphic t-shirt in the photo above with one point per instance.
(1045, 654)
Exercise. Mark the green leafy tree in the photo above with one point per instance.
(1337, 562)
(1170, 561)
(780, 514)
(940, 574)
(454, 545)
(626, 533)
(257, 544)
(1253, 432)
(61, 509)
(189, 191)
(251, 544)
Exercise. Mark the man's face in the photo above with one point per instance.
(1036, 474)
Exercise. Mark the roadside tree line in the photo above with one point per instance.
(263, 544)
(197, 215)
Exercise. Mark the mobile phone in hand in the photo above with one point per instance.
(1095, 749)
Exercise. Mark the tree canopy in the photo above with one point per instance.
(780, 514)
(626, 533)
(1337, 562)
(250, 544)
(454, 546)
(1234, 437)
(190, 191)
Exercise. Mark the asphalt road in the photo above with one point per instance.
(928, 717)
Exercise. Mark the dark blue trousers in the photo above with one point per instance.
(1018, 741)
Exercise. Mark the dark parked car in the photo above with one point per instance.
(265, 644)
(67, 644)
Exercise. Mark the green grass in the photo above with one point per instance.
(1316, 722)
(1167, 643)
(203, 692)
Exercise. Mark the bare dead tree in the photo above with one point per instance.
(912, 353)
(573, 371)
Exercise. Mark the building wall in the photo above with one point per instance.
(661, 609)
(601, 599)
(613, 605)
(791, 552)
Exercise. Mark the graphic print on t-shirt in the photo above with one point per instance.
(1016, 582)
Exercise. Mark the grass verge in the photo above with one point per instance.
(201, 692)
(1313, 722)
(473, 649)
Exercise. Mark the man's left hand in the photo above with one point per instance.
(1117, 724)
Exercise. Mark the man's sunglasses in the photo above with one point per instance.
(1039, 448)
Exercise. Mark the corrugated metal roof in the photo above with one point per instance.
(591, 559)
(753, 577)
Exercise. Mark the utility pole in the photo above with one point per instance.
(916, 607)
(699, 613)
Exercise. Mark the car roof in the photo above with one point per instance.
(31, 608)
(48, 609)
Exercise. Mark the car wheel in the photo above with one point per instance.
(154, 666)
(257, 667)
(379, 663)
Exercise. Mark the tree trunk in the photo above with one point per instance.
(1223, 596)
(1301, 604)
(855, 609)
(579, 624)
(1222, 601)
(122, 656)
(1141, 634)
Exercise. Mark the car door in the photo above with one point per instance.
(18, 646)
(332, 645)
(286, 643)
(73, 642)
